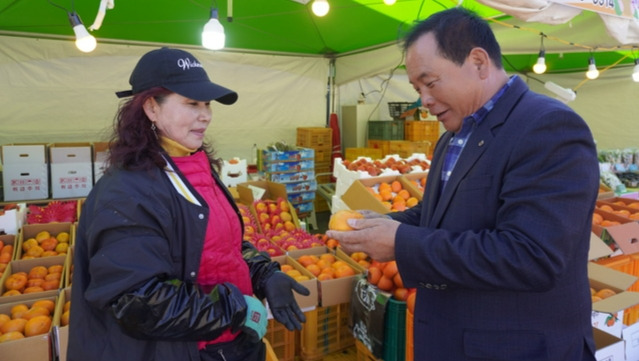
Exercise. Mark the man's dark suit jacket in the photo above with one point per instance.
(499, 258)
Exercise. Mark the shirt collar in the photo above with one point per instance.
(173, 148)
(481, 113)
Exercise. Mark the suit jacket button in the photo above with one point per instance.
(192, 274)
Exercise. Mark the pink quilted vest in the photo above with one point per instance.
(221, 256)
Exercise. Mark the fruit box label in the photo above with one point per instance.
(611, 323)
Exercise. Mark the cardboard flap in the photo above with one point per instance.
(604, 277)
(626, 236)
(616, 303)
(598, 248)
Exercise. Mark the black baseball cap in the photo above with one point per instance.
(179, 72)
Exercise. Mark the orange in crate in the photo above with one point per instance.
(409, 335)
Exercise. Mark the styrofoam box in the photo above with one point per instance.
(234, 174)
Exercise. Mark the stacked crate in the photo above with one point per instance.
(321, 141)
(403, 137)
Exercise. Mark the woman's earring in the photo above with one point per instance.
(153, 128)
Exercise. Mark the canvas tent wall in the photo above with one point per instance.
(51, 93)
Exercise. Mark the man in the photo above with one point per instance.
(498, 247)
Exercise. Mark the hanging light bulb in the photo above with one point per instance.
(320, 7)
(592, 72)
(213, 34)
(84, 41)
(389, 2)
(635, 71)
(540, 65)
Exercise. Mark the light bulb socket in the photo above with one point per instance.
(214, 14)
(74, 19)
(542, 54)
(591, 60)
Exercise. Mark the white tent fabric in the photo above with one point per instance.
(50, 92)
(623, 30)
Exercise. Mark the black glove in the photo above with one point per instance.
(282, 302)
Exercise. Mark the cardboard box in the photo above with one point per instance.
(31, 230)
(29, 348)
(608, 347)
(71, 170)
(306, 303)
(249, 192)
(605, 192)
(628, 203)
(11, 220)
(359, 197)
(607, 314)
(100, 155)
(25, 172)
(598, 248)
(26, 266)
(234, 173)
(331, 292)
(59, 333)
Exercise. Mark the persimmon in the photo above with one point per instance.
(67, 306)
(32, 289)
(48, 304)
(53, 276)
(607, 223)
(35, 311)
(49, 244)
(390, 269)
(374, 274)
(396, 186)
(10, 336)
(332, 243)
(56, 268)
(16, 324)
(286, 267)
(11, 293)
(327, 257)
(338, 220)
(400, 294)
(324, 277)
(50, 285)
(386, 194)
(605, 207)
(397, 280)
(305, 260)
(404, 194)
(344, 271)
(17, 310)
(8, 248)
(5, 257)
(385, 283)
(314, 269)
(35, 251)
(37, 326)
(605, 293)
(16, 281)
(4, 318)
(411, 202)
(597, 218)
(64, 318)
(38, 272)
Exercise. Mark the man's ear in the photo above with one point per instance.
(480, 60)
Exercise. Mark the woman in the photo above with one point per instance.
(160, 268)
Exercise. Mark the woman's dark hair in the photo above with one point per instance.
(134, 145)
(457, 31)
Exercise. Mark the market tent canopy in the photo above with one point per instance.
(352, 26)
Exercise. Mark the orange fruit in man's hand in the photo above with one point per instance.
(338, 220)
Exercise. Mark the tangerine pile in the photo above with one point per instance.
(38, 279)
(25, 321)
(419, 183)
(393, 195)
(326, 266)
(44, 245)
